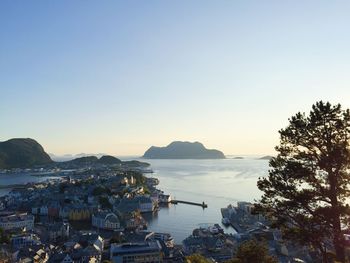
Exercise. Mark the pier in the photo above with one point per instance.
(175, 202)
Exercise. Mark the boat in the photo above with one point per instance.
(225, 221)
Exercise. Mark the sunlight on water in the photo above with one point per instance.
(216, 182)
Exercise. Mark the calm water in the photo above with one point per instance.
(216, 182)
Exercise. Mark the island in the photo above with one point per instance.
(183, 150)
(267, 157)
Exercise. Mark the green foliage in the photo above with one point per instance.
(4, 238)
(196, 258)
(252, 252)
(99, 190)
(308, 183)
(146, 189)
(118, 239)
(62, 188)
(104, 202)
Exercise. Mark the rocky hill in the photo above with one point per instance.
(22, 153)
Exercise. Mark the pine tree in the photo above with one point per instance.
(306, 190)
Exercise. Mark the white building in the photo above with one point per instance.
(17, 221)
(162, 198)
(2, 206)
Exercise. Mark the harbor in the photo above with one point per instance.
(175, 202)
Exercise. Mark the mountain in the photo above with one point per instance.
(183, 150)
(22, 153)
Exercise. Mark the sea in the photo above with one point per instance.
(218, 183)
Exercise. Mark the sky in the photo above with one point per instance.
(119, 76)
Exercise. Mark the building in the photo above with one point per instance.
(58, 230)
(64, 212)
(79, 213)
(245, 206)
(16, 221)
(24, 240)
(43, 210)
(146, 204)
(136, 252)
(162, 198)
(2, 205)
(53, 209)
(105, 220)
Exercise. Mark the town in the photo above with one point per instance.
(95, 214)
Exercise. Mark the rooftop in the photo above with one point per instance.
(130, 248)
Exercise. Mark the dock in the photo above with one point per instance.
(175, 202)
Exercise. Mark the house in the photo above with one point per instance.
(60, 258)
(145, 203)
(79, 213)
(41, 256)
(136, 252)
(53, 209)
(92, 239)
(43, 210)
(192, 244)
(2, 205)
(35, 254)
(125, 206)
(91, 253)
(245, 206)
(105, 220)
(92, 199)
(64, 212)
(58, 230)
(166, 238)
(134, 220)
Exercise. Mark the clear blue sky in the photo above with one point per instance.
(119, 76)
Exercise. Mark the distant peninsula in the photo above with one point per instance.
(183, 150)
(267, 157)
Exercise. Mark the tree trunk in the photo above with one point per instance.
(338, 240)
